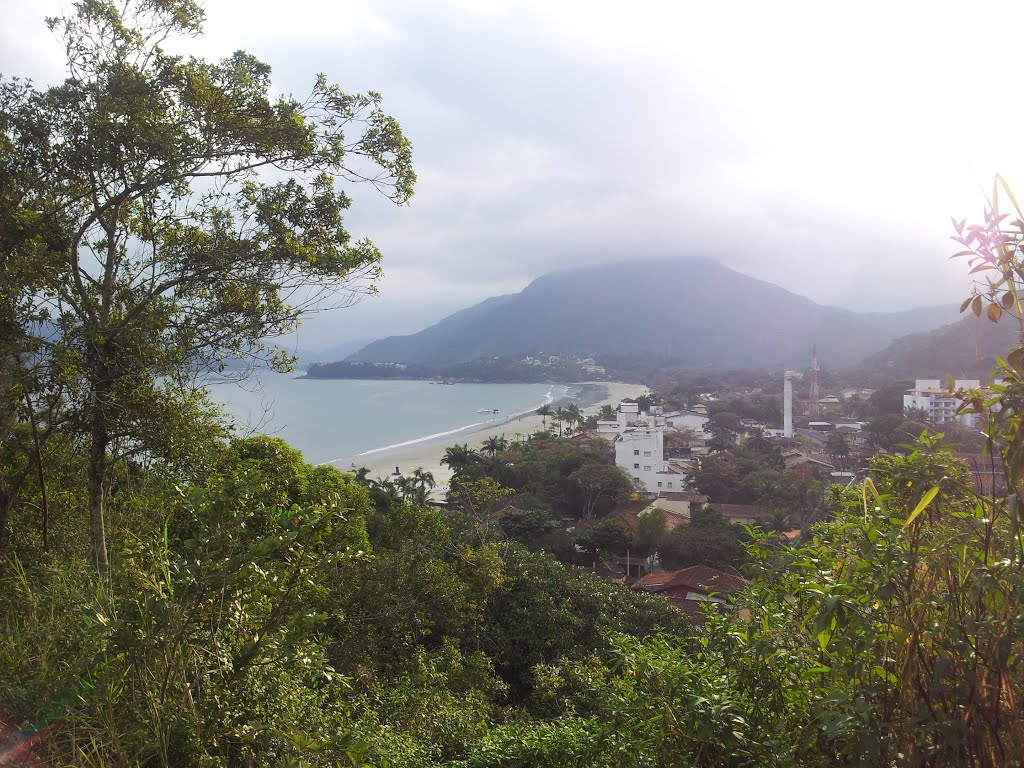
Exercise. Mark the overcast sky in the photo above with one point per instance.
(820, 146)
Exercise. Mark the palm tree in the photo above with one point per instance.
(559, 417)
(424, 479)
(458, 458)
(422, 484)
(544, 411)
(573, 417)
(493, 445)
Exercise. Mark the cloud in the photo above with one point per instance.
(818, 146)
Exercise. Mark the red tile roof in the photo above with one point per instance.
(704, 578)
(651, 581)
(674, 519)
(696, 578)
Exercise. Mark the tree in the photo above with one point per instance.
(544, 411)
(184, 216)
(723, 427)
(609, 535)
(718, 477)
(494, 445)
(601, 484)
(651, 531)
(459, 458)
(837, 448)
(573, 417)
(527, 526)
(707, 540)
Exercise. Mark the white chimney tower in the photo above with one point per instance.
(787, 403)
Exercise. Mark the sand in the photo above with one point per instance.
(427, 454)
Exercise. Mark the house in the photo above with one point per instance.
(589, 439)
(796, 458)
(692, 587)
(743, 514)
(939, 403)
(625, 417)
(673, 517)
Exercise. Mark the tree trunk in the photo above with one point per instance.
(99, 441)
(6, 502)
(97, 472)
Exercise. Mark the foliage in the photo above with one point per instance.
(708, 540)
(609, 535)
(178, 216)
(651, 532)
(200, 650)
(544, 611)
(601, 486)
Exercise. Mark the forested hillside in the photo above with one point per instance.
(966, 349)
(692, 312)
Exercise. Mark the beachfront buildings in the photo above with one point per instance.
(639, 440)
(939, 403)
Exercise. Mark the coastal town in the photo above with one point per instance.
(647, 485)
(608, 394)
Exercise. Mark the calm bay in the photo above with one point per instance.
(340, 420)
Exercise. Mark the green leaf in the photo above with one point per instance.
(922, 505)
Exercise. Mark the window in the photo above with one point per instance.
(636, 466)
(636, 452)
(647, 467)
(659, 483)
(647, 453)
(669, 483)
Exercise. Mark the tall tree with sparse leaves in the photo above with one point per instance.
(181, 216)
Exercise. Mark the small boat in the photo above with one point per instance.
(487, 410)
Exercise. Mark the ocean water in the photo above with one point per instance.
(339, 420)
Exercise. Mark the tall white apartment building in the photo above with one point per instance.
(939, 403)
(640, 449)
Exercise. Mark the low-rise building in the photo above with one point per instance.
(939, 403)
(692, 587)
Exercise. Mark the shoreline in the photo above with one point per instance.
(426, 452)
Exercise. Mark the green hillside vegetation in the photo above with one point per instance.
(173, 595)
(966, 349)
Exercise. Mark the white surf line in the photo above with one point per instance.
(548, 399)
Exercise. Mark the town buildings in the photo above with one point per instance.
(639, 440)
(940, 404)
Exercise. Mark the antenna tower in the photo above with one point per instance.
(815, 406)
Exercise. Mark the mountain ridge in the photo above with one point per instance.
(694, 311)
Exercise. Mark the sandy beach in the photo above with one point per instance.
(427, 454)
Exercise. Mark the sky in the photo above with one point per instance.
(819, 146)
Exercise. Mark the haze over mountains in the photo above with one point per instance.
(695, 312)
(966, 349)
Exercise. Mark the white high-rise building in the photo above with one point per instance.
(640, 449)
(939, 403)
